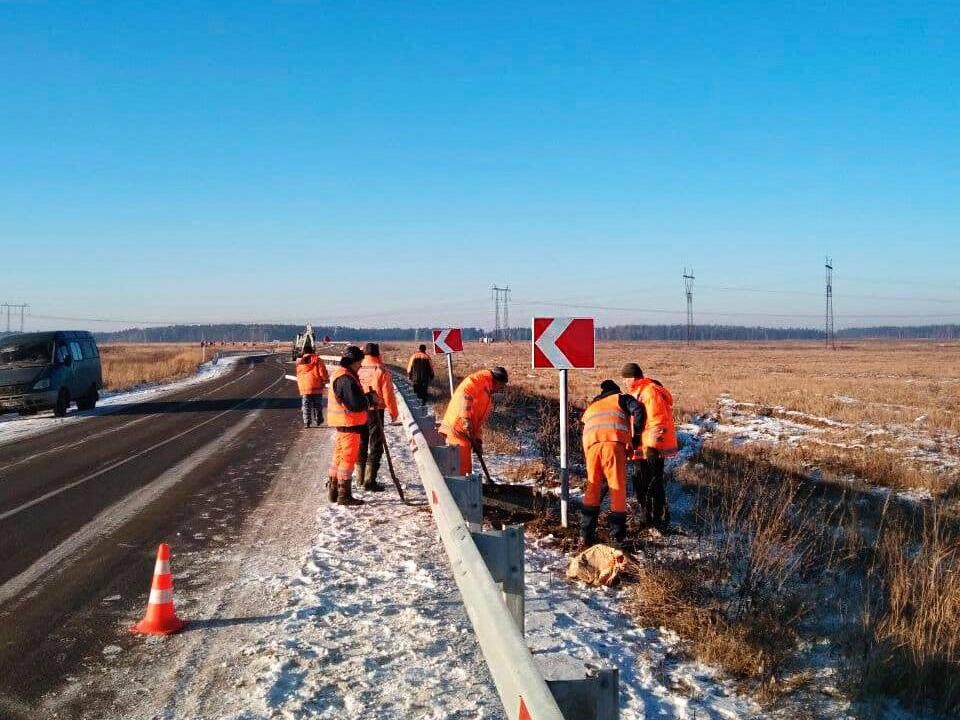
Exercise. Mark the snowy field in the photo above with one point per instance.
(14, 427)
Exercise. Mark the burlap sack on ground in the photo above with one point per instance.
(598, 565)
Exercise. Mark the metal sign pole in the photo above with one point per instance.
(450, 371)
(564, 473)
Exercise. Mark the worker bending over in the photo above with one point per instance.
(375, 377)
(658, 441)
(347, 408)
(467, 413)
(420, 372)
(606, 439)
(312, 377)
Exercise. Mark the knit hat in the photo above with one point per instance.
(609, 386)
(499, 374)
(351, 354)
(372, 349)
(422, 348)
(631, 370)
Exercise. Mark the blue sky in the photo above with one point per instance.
(384, 163)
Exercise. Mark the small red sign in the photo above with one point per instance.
(447, 340)
(563, 343)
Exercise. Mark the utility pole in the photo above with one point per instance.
(828, 329)
(688, 290)
(22, 308)
(501, 312)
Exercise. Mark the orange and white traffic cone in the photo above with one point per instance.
(160, 618)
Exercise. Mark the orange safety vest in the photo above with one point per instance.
(311, 375)
(337, 414)
(659, 431)
(605, 421)
(469, 407)
(374, 376)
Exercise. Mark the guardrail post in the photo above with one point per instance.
(468, 494)
(593, 697)
(502, 551)
(447, 458)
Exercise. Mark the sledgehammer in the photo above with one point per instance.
(386, 451)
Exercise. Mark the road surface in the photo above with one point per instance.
(82, 509)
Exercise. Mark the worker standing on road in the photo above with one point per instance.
(374, 376)
(420, 372)
(468, 411)
(658, 441)
(606, 439)
(312, 377)
(347, 407)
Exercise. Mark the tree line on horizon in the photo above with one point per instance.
(285, 333)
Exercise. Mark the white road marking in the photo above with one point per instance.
(119, 463)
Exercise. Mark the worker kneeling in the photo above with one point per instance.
(347, 411)
(606, 439)
(468, 411)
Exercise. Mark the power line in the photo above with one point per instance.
(898, 298)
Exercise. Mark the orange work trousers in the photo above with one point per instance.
(346, 449)
(466, 455)
(607, 461)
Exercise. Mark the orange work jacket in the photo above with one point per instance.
(659, 431)
(311, 375)
(469, 407)
(375, 376)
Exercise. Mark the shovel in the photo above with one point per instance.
(386, 451)
(483, 464)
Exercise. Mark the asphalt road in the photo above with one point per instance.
(83, 508)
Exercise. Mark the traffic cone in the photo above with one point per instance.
(160, 618)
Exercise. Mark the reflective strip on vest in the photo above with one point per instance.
(605, 421)
(337, 414)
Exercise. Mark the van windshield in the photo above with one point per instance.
(33, 353)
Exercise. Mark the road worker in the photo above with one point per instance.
(606, 440)
(312, 377)
(467, 413)
(375, 377)
(658, 441)
(420, 372)
(347, 407)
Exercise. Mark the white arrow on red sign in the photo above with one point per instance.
(563, 343)
(447, 341)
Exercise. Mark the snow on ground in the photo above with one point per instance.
(14, 427)
(320, 611)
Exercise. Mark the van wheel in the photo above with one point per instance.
(63, 403)
(89, 402)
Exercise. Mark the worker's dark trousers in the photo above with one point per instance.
(422, 390)
(371, 449)
(651, 493)
(311, 406)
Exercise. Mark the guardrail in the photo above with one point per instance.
(488, 567)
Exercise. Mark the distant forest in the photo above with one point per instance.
(286, 333)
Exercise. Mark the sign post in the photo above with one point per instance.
(447, 341)
(564, 344)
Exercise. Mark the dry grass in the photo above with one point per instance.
(129, 365)
(778, 560)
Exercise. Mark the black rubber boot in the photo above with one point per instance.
(332, 489)
(345, 494)
(588, 526)
(370, 480)
(617, 523)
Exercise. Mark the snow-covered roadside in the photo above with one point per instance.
(14, 427)
(318, 611)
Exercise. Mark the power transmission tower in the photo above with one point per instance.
(828, 330)
(501, 312)
(688, 289)
(22, 308)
